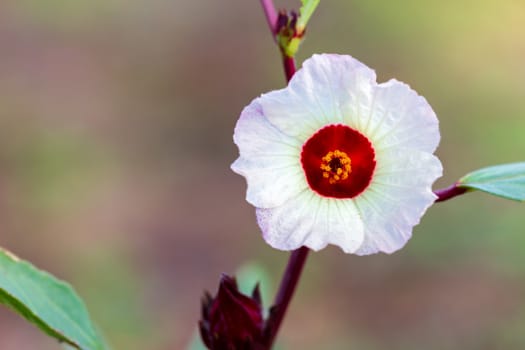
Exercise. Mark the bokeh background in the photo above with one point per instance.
(116, 121)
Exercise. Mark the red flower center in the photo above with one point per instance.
(338, 161)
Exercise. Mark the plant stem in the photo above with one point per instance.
(449, 192)
(271, 15)
(284, 296)
(289, 67)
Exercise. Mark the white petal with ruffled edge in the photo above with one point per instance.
(396, 199)
(269, 160)
(401, 118)
(312, 221)
(326, 90)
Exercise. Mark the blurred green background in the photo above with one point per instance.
(116, 121)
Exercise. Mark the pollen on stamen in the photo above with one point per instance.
(336, 166)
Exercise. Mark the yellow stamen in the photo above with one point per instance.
(336, 166)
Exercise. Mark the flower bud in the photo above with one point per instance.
(288, 35)
(231, 320)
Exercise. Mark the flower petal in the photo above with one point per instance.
(328, 89)
(398, 197)
(401, 118)
(269, 159)
(312, 221)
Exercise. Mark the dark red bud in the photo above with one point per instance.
(231, 320)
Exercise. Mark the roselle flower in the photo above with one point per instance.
(336, 158)
(231, 320)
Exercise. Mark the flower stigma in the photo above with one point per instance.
(336, 166)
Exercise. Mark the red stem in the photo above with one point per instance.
(449, 192)
(289, 67)
(284, 296)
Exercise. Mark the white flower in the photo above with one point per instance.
(335, 158)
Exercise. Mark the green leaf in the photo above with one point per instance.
(50, 304)
(305, 12)
(506, 180)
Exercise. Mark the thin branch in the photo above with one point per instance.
(271, 15)
(284, 296)
(289, 67)
(449, 192)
